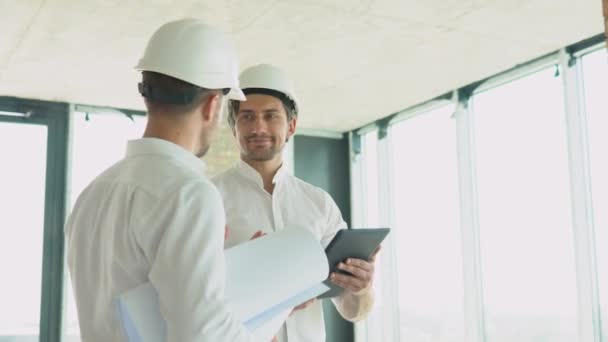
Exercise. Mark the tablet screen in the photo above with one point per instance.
(351, 243)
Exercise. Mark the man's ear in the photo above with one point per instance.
(209, 109)
(291, 126)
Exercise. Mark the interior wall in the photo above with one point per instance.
(324, 162)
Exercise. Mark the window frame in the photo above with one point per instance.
(566, 62)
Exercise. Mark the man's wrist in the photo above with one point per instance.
(362, 292)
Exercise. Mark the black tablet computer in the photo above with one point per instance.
(351, 243)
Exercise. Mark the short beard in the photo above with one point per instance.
(265, 155)
(262, 157)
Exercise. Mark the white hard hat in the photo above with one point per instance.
(196, 53)
(266, 76)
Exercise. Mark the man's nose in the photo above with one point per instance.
(259, 125)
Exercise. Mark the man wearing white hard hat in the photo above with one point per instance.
(259, 194)
(153, 216)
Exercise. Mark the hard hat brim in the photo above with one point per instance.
(236, 94)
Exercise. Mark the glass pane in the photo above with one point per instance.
(370, 217)
(22, 184)
(595, 78)
(524, 211)
(427, 228)
(99, 140)
(224, 152)
(369, 153)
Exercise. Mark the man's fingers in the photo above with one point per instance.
(347, 282)
(362, 264)
(355, 270)
(257, 234)
(362, 273)
(304, 305)
(348, 286)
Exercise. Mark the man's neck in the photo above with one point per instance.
(170, 131)
(267, 170)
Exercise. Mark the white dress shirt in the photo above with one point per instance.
(153, 216)
(294, 204)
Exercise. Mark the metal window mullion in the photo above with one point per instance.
(474, 319)
(387, 219)
(582, 214)
(356, 199)
(54, 217)
(420, 109)
(356, 184)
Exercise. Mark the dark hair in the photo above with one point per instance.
(169, 94)
(288, 104)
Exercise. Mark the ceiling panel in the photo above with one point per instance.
(353, 61)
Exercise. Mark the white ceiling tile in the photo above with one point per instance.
(353, 61)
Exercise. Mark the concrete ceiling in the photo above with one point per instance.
(353, 61)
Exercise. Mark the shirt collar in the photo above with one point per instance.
(280, 175)
(250, 173)
(154, 146)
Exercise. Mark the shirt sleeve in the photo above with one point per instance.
(355, 308)
(183, 241)
(334, 220)
(352, 308)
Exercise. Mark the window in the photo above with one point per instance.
(525, 221)
(427, 227)
(23, 148)
(521, 207)
(369, 159)
(595, 83)
(367, 214)
(98, 141)
(224, 153)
